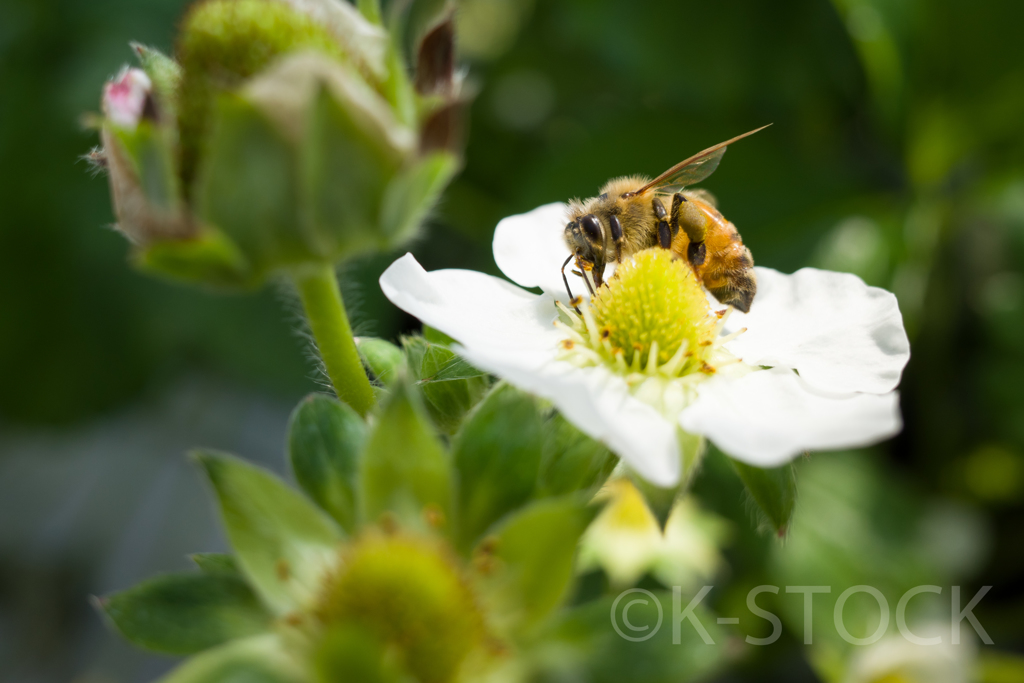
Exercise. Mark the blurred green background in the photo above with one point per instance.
(896, 153)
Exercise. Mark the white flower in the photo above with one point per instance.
(814, 368)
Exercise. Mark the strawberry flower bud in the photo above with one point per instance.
(124, 98)
(283, 133)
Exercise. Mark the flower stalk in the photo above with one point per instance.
(325, 310)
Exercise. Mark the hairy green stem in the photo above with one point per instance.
(321, 299)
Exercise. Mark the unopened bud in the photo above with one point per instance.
(125, 98)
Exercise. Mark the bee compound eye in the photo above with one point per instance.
(591, 227)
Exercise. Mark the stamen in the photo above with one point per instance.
(729, 337)
(573, 334)
(675, 363)
(652, 358)
(588, 318)
(571, 314)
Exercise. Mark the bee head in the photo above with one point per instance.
(586, 237)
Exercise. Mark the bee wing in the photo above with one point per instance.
(692, 170)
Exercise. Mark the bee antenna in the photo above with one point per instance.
(566, 281)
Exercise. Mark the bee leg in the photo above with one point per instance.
(616, 226)
(664, 234)
(693, 224)
(566, 281)
(677, 202)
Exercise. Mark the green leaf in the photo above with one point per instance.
(209, 259)
(347, 165)
(382, 358)
(497, 456)
(325, 437)
(247, 187)
(260, 659)
(283, 543)
(182, 614)
(404, 468)
(571, 460)
(414, 192)
(216, 563)
(526, 566)
(450, 385)
(773, 491)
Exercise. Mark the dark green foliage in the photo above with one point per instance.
(571, 460)
(325, 438)
(184, 613)
(215, 563)
(450, 385)
(497, 454)
(404, 470)
(773, 493)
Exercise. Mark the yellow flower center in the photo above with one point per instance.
(651, 317)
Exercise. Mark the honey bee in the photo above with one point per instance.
(632, 214)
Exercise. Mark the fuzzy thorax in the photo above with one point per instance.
(652, 319)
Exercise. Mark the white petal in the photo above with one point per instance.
(530, 250)
(476, 309)
(769, 417)
(841, 334)
(599, 404)
(507, 331)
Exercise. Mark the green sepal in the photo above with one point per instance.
(181, 614)
(216, 563)
(571, 460)
(150, 147)
(450, 385)
(414, 348)
(346, 170)
(661, 500)
(165, 74)
(259, 659)
(525, 566)
(247, 187)
(412, 193)
(283, 543)
(351, 653)
(211, 259)
(383, 358)
(497, 455)
(325, 437)
(404, 469)
(435, 336)
(583, 640)
(773, 492)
